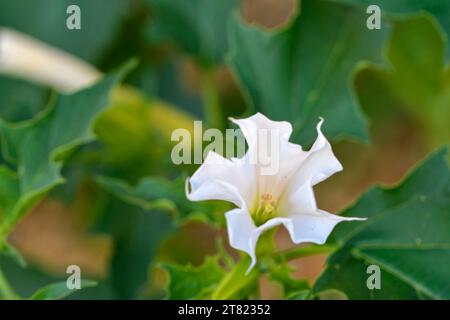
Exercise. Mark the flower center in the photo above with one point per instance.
(265, 210)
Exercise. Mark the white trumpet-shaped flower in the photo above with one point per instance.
(267, 200)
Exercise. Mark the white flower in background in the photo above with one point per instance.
(27, 58)
(267, 200)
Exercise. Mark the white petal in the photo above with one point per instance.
(221, 179)
(320, 163)
(251, 126)
(274, 157)
(302, 200)
(244, 235)
(313, 227)
(30, 59)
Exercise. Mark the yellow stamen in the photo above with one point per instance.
(265, 210)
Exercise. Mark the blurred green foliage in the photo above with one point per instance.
(46, 20)
(189, 282)
(196, 27)
(416, 47)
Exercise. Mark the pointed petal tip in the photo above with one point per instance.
(340, 217)
(252, 265)
(186, 187)
(343, 218)
(319, 125)
(358, 219)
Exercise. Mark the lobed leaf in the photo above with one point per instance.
(37, 147)
(304, 72)
(189, 282)
(406, 235)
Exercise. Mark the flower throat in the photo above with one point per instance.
(265, 210)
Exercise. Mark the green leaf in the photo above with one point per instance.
(163, 194)
(137, 234)
(37, 147)
(440, 9)
(299, 295)
(15, 255)
(190, 282)
(418, 82)
(406, 235)
(282, 273)
(148, 191)
(305, 71)
(59, 290)
(20, 100)
(197, 27)
(237, 284)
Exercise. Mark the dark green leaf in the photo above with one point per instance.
(440, 9)
(305, 71)
(20, 100)
(150, 192)
(38, 146)
(197, 27)
(406, 235)
(137, 234)
(163, 194)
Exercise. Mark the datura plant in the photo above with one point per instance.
(118, 178)
(267, 198)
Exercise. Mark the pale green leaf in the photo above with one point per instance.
(190, 282)
(417, 83)
(59, 290)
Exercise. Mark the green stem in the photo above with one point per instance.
(211, 100)
(300, 252)
(236, 280)
(6, 290)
